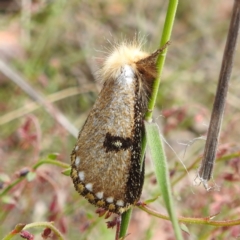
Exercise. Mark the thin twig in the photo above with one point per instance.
(205, 171)
(192, 220)
(36, 96)
(32, 106)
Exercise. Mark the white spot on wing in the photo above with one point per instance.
(99, 195)
(81, 175)
(117, 144)
(77, 161)
(76, 148)
(109, 199)
(89, 186)
(120, 203)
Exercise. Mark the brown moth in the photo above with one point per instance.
(105, 161)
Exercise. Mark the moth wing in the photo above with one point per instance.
(101, 161)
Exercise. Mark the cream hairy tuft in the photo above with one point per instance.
(123, 54)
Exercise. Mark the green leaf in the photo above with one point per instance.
(126, 216)
(4, 177)
(66, 172)
(53, 156)
(90, 215)
(161, 169)
(8, 200)
(184, 228)
(31, 176)
(151, 200)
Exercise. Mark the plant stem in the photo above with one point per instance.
(167, 30)
(52, 162)
(191, 220)
(125, 222)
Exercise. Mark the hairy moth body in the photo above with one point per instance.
(105, 161)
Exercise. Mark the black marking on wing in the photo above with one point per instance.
(116, 143)
(136, 174)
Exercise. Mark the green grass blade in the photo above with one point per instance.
(126, 217)
(161, 170)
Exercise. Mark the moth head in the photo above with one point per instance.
(147, 66)
(142, 63)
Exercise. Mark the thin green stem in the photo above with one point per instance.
(125, 222)
(49, 161)
(167, 30)
(190, 220)
(38, 164)
(10, 186)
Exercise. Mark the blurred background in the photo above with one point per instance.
(57, 47)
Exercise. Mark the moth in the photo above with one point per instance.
(105, 162)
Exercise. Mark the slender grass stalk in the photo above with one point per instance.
(190, 220)
(125, 222)
(167, 30)
(10, 186)
(52, 162)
